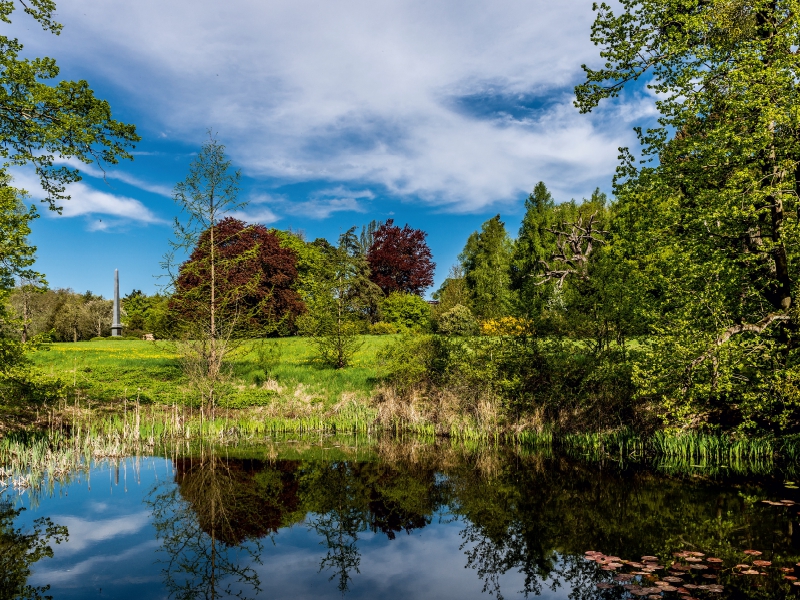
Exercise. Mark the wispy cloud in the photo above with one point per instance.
(98, 173)
(363, 93)
(86, 201)
(326, 202)
(93, 204)
(87, 532)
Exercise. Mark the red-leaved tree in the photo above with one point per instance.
(254, 278)
(400, 260)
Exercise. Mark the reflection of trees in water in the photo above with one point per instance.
(538, 518)
(211, 522)
(205, 524)
(19, 550)
(346, 499)
(524, 515)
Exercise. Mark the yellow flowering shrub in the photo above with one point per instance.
(506, 326)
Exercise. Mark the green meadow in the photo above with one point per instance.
(262, 371)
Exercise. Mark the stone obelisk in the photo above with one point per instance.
(116, 326)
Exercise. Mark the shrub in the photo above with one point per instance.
(406, 310)
(507, 326)
(407, 361)
(458, 321)
(383, 328)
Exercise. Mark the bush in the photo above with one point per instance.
(407, 361)
(507, 326)
(406, 310)
(383, 328)
(458, 321)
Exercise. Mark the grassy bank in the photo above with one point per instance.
(110, 371)
(124, 394)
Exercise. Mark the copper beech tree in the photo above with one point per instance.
(400, 260)
(254, 276)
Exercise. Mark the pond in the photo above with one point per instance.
(391, 520)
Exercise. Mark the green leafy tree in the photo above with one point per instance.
(712, 212)
(458, 321)
(486, 259)
(452, 292)
(42, 119)
(147, 314)
(534, 245)
(406, 310)
(347, 300)
(208, 312)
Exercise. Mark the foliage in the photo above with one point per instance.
(41, 121)
(310, 282)
(486, 259)
(458, 321)
(19, 550)
(383, 328)
(348, 302)
(209, 312)
(407, 311)
(147, 314)
(534, 245)
(506, 326)
(255, 278)
(408, 362)
(453, 291)
(400, 260)
(711, 215)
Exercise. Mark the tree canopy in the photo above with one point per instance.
(255, 278)
(400, 260)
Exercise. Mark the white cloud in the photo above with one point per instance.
(86, 201)
(84, 533)
(257, 214)
(326, 202)
(360, 92)
(111, 173)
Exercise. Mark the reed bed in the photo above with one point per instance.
(72, 439)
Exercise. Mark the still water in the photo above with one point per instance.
(398, 521)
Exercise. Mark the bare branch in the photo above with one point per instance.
(756, 328)
(575, 243)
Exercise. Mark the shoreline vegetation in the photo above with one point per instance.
(100, 416)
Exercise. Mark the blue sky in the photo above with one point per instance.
(437, 114)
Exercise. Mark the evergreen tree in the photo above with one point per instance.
(534, 244)
(486, 259)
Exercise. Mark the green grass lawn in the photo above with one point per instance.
(110, 370)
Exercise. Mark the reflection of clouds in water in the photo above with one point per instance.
(83, 532)
(421, 565)
(93, 566)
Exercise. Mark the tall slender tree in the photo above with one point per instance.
(486, 259)
(207, 195)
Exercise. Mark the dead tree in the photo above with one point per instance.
(575, 242)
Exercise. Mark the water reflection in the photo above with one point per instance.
(19, 550)
(225, 521)
(210, 529)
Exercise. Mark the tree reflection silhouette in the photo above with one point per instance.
(518, 514)
(337, 499)
(19, 550)
(209, 555)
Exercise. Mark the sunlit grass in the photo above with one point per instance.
(111, 371)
